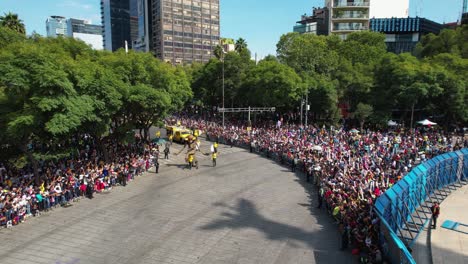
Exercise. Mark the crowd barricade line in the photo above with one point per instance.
(397, 206)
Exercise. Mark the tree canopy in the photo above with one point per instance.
(55, 89)
(11, 21)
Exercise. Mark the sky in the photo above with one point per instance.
(260, 22)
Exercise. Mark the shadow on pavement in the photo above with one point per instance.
(245, 215)
(180, 166)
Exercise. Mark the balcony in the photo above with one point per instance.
(348, 4)
(350, 27)
(350, 15)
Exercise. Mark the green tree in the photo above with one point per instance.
(206, 83)
(362, 113)
(241, 45)
(404, 82)
(270, 84)
(155, 89)
(364, 47)
(41, 102)
(218, 51)
(8, 36)
(452, 102)
(11, 21)
(307, 53)
(453, 41)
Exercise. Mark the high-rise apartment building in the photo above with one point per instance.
(347, 16)
(115, 16)
(84, 30)
(56, 26)
(184, 31)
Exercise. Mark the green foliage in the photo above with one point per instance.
(52, 89)
(448, 41)
(8, 36)
(275, 84)
(363, 112)
(11, 21)
(307, 53)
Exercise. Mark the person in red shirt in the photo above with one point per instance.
(435, 209)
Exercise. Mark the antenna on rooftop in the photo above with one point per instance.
(419, 8)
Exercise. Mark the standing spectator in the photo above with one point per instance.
(213, 157)
(167, 150)
(320, 197)
(435, 209)
(156, 166)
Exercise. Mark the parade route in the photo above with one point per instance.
(246, 210)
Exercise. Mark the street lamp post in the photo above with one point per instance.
(307, 107)
(302, 105)
(223, 86)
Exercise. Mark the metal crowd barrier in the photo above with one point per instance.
(397, 207)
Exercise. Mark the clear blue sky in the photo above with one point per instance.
(260, 22)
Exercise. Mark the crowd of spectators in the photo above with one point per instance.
(350, 168)
(66, 180)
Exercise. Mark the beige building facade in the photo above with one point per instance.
(184, 31)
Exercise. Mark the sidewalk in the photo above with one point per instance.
(450, 246)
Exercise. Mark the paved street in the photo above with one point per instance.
(246, 210)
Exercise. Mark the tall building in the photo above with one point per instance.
(464, 16)
(347, 16)
(75, 28)
(184, 31)
(115, 15)
(84, 30)
(141, 33)
(317, 23)
(402, 34)
(56, 26)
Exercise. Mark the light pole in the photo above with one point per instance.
(302, 105)
(223, 86)
(307, 107)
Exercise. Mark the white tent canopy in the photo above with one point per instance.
(392, 123)
(426, 122)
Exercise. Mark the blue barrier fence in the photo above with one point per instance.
(398, 205)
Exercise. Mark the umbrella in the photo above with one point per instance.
(426, 122)
(159, 141)
(354, 130)
(392, 123)
(317, 148)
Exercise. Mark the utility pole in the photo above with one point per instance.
(302, 105)
(307, 107)
(223, 87)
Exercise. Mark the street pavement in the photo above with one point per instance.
(247, 210)
(449, 246)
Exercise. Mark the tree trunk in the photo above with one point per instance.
(146, 134)
(104, 151)
(362, 125)
(412, 115)
(34, 163)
